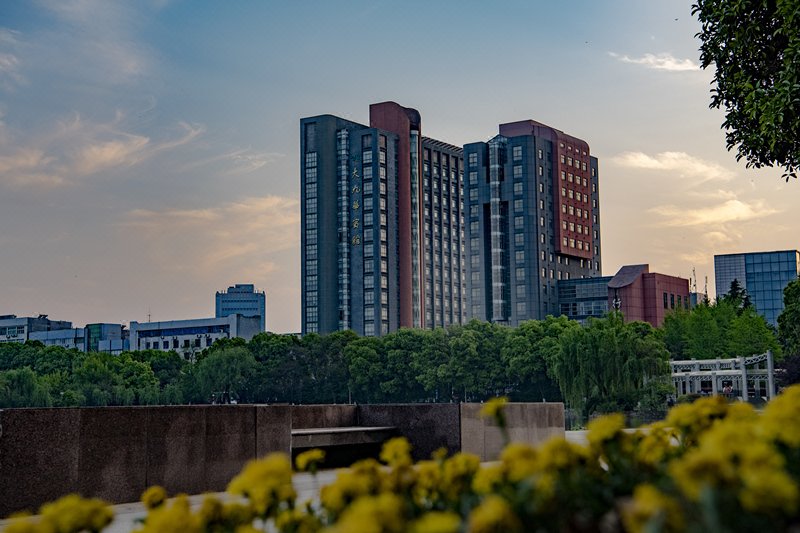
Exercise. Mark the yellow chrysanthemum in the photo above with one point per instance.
(649, 508)
(493, 515)
(373, 514)
(172, 516)
(154, 496)
(780, 419)
(437, 522)
(73, 513)
(487, 478)
(308, 461)
(296, 521)
(605, 428)
(519, 461)
(396, 452)
(494, 407)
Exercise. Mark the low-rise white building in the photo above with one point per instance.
(189, 337)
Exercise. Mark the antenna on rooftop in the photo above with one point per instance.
(148, 314)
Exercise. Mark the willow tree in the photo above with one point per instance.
(606, 365)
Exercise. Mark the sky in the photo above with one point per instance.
(149, 150)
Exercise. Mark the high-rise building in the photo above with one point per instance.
(381, 224)
(242, 299)
(533, 218)
(763, 275)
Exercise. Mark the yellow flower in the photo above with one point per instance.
(363, 478)
(266, 483)
(457, 473)
(780, 418)
(296, 521)
(519, 461)
(494, 407)
(247, 528)
(558, 454)
(396, 452)
(173, 516)
(24, 524)
(437, 522)
(153, 497)
(237, 513)
(308, 461)
(493, 515)
(73, 513)
(650, 507)
(766, 490)
(487, 478)
(426, 488)
(373, 514)
(655, 445)
(211, 510)
(693, 419)
(604, 429)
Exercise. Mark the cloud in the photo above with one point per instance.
(663, 61)
(104, 35)
(10, 71)
(237, 161)
(109, 154)
(214, 242)
(714, 216)
(683, 164)
(75, 148)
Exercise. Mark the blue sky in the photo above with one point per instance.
(149, 149)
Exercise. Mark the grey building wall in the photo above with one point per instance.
(242, 299)
(443, 234)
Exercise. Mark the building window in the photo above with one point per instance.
(521, 308)
(517, 171)
(519, 239)
(541, 221)
(665, 301)
(517, 153)
(473, 159)
(519, 222)
(519, 255)
(520, 274)
(518, 205)
(518, 188)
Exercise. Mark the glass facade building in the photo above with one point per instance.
(763, 275)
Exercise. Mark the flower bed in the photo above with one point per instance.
(710, 466)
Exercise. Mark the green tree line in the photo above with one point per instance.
(606, 365)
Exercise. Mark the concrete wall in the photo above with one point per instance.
(116, 452)
(324, 416)
(532, 423)
(427, 426)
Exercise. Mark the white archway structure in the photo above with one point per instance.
(725, 375)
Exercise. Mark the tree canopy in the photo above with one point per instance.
(755, 47)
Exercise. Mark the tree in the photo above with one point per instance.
(606, 365)
(789, 319)
(755, 46)
(737, 297)
(228, 370)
